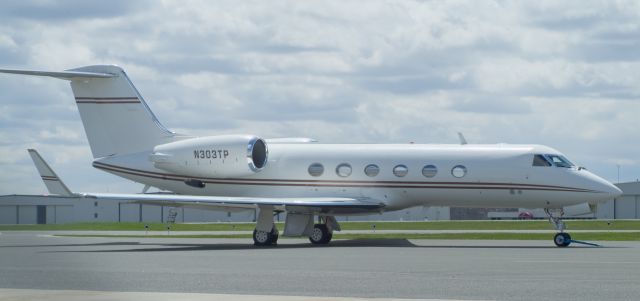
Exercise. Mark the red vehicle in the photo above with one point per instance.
(525, 215)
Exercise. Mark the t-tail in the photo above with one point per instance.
(116, 118)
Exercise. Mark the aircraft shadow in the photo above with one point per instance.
(221, 246)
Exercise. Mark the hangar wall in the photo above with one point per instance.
(8, 214)
(43, 209)
(626, 206)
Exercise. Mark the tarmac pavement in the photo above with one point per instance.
(374, 268)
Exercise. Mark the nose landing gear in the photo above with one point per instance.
(561, 239)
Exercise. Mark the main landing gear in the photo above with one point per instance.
(264, 238)
(322, 232)
(561, 239)
(320, 235)
(296, 225)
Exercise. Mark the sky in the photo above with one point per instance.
(560, 73)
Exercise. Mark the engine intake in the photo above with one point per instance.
(257, 154)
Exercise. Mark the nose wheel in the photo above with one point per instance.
(562, 239)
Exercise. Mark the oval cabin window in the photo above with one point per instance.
(371, 170)
(316, 169)
(429, 171)
(400, 170)
(343, 170)
(459, 171)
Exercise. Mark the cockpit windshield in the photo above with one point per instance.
(551, 160)
(560, 161)
(540, 160)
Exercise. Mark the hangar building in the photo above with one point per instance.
(627, 206)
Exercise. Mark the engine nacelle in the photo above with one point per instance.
(225, 156)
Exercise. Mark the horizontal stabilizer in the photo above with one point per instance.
(49, 177)
(60, 74)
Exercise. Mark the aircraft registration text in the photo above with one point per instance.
(211, 154)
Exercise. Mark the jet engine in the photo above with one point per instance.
(225, 156)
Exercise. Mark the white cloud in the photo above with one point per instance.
(557, 73)
(7, 42)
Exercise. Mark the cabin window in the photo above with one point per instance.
(400, 170)
(371, 170)
(459, 171)
(429, 171)
(316, 169)
(343, 170)
(540, 160)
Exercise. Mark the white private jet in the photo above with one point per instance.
(306, 179)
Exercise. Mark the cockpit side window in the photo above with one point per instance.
(540, 160)
(559, 161)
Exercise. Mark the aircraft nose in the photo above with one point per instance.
(613, 191)
(604, 186)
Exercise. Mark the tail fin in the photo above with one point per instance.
(116, 118)
(49, 177)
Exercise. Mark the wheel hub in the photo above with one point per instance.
(316, 235)
(262, 236)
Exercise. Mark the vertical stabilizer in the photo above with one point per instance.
(116, 118)
(49, 177)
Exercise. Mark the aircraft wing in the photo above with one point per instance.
(324, 205)
(333, 205)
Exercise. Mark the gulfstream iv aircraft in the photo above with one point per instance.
(307, 179)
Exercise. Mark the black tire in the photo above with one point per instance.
(562, 239)
(274, 235)
(320, 235)
(262, 238)
(567, 239)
